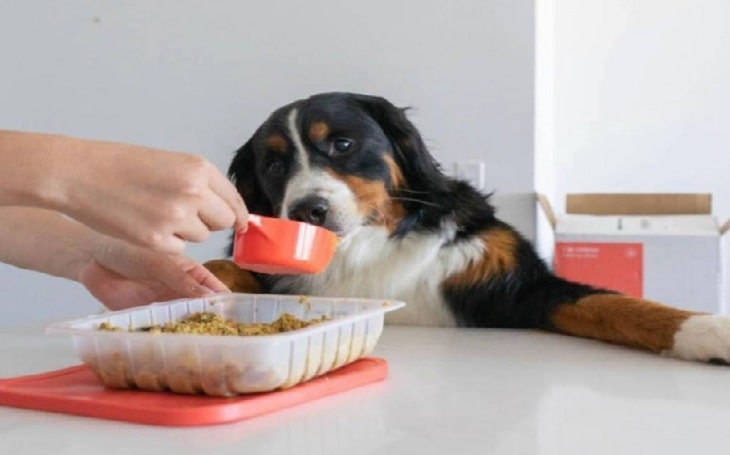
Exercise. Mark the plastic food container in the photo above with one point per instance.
(227, 365)
(275, 245)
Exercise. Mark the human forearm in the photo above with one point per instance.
(45, 241)
(118, 274)
(151, 198)
(32, 169)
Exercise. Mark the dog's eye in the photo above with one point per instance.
(342, 144)
(275, 168)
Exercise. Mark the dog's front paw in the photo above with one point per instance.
(703, 337)
(237, 279)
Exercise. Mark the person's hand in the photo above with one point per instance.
(121, 276)
(148, 197)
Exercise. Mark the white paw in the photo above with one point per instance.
(705, 338)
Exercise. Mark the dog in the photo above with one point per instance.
(356, 165)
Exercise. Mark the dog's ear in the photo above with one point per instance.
(420, 169)
(243, 173)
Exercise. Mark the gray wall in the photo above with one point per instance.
(200, 76)
(634, 97)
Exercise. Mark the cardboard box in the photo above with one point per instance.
(663, 247)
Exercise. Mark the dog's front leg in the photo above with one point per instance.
(237, 279)
(645, 324)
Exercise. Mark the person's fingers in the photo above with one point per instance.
(135, 230)
(171, 245)
(115, 291)
(174, 273)
(225, 189)
(205, 277)
(199, 273)
(162, 243)
(194, 231)
(141, 233)
(215, 212)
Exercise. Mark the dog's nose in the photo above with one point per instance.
(310, 209)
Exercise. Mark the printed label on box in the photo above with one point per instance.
(615, 266)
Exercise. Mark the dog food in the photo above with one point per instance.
(215, 324)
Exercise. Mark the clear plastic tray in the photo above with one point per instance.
(228, 365)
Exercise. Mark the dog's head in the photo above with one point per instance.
(342, 161)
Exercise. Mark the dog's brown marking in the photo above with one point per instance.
(277, 143)
(396, 175)
(500, 258)
(373, 200)
(318, 132)
(237, 279)
(395, 213)
(621, 319)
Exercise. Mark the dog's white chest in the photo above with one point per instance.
(370, 264)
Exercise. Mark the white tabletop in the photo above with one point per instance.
(450, 391)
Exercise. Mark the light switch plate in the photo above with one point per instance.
(472, 171)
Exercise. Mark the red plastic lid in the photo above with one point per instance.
(77, 391)
(285, 247)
